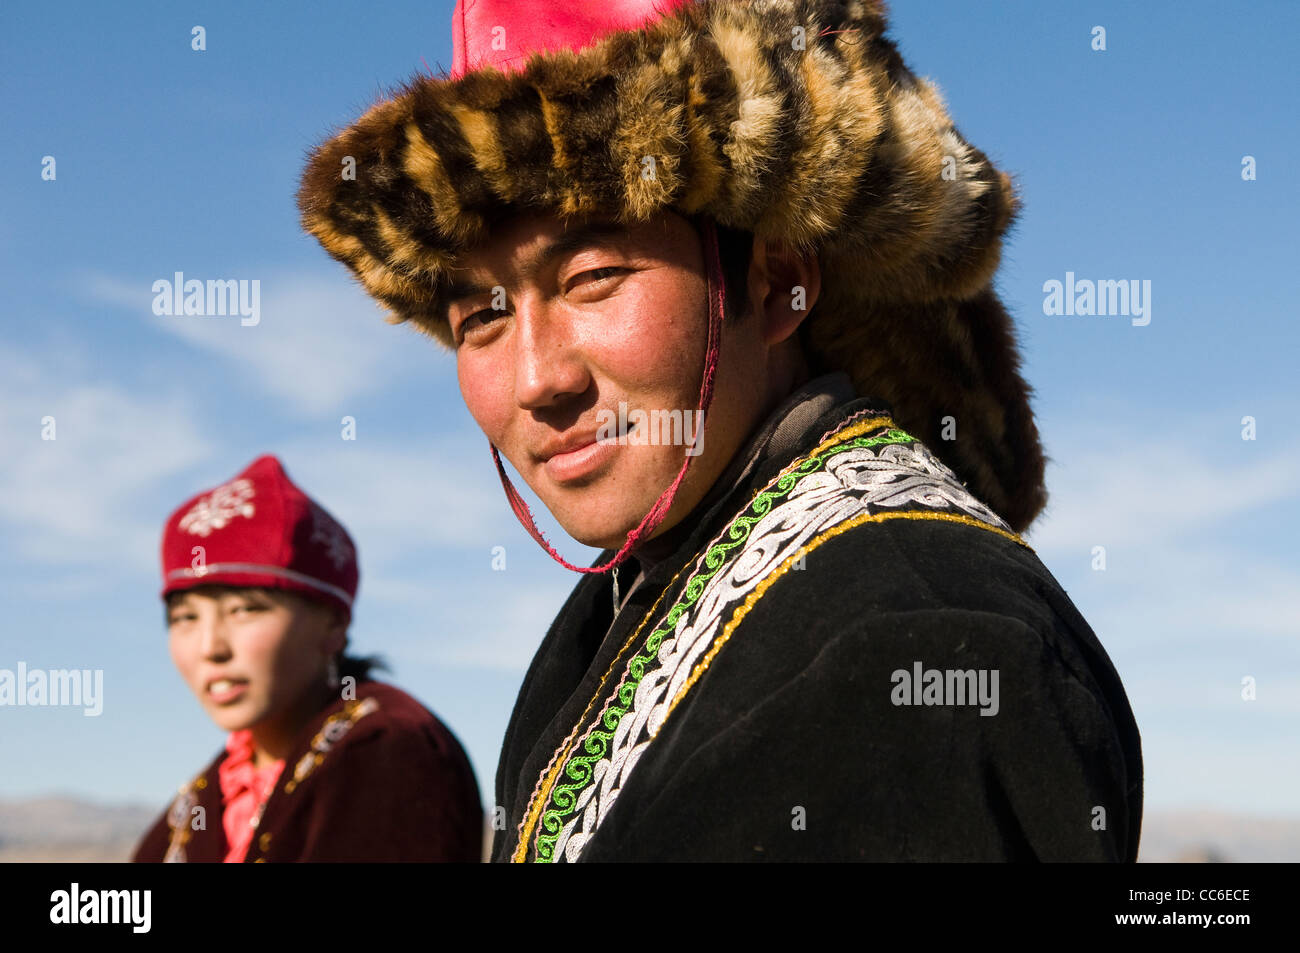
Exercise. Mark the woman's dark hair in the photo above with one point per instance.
(361, 666)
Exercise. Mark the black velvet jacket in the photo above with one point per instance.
(375, 778)
(842, 655)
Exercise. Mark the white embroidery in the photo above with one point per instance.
(894, 476)
(219, 507)
(902, 474)
(178, 819)
(331, 535)
(335, 727)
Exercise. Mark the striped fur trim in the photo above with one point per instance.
(837, 148)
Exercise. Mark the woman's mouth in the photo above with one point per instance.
(223, 691)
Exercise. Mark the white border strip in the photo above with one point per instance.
(266, 571)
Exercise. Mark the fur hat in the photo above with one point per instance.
(791, 119)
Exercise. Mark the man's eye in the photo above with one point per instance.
(595, 275)
(485, 315)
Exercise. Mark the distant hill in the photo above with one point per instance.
(69, 829)
(1209, 836)
(65, 829)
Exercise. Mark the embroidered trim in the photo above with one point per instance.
(864, 412)
(842, 475)
(335, 727)
(781, 570)
(577, 768)
(178, 819)
(547, 777)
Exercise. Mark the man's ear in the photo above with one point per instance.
(783, 286)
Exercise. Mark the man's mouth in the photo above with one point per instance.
(582, 461)
(567, 467)
(579, 455)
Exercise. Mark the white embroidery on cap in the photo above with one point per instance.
(219, 507)
(328, 532)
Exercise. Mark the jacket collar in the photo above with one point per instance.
(786, 430)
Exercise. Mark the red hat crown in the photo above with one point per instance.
(260, 529)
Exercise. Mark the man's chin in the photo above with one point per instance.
(597, 537)
(601, 536)
(603, 542)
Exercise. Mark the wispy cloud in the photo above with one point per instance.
(1164, 499)
(320, 343)
(1129, 489)
(490, 626)
(1201, 588)
(78, 499)
(427, 519)
(407, 498)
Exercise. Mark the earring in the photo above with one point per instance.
(332, 673)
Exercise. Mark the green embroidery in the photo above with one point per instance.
(580, 767)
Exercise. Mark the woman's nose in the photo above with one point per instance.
(212, 640)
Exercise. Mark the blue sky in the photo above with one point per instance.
(1129, 165)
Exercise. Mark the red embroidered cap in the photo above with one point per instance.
(259, 529)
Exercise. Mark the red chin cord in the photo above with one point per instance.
(717, 292)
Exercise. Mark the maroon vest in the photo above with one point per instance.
(375, 778)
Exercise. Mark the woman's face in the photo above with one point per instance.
(250, 655)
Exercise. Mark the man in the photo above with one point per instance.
(834, 644)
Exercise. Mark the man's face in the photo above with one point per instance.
(590, 315)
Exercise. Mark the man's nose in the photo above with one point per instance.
(549, 359)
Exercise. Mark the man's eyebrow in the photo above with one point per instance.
(589, 233)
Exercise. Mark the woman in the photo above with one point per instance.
(321, 763)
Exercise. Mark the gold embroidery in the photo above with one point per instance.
(178, 819)
(335, 727)
(541, 793)
(562, 753)
(874, 423)
(848, 433)
(702, 665)
(561, 756)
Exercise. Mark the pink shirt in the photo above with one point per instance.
(244, 789)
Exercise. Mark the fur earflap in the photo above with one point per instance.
(791, 119)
